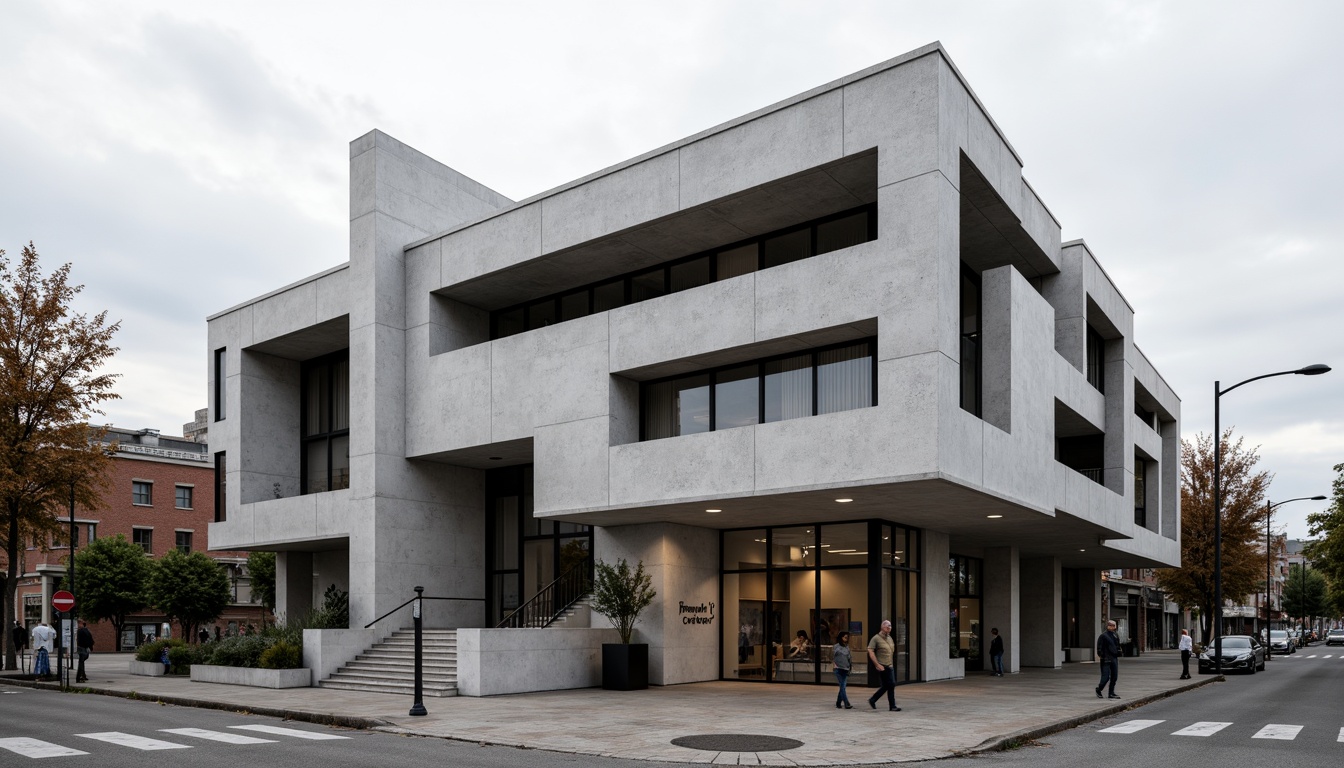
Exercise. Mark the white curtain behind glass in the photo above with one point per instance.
(844, 379)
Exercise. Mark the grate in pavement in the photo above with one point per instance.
(737, 742)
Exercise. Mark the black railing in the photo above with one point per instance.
(553, 599)
(1091, 474)
(418, 708)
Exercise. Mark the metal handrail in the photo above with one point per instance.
(553, 599)
(413, 599)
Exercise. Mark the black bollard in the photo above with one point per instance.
(418, 708)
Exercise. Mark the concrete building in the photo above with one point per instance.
(160, 495)
(824, 364)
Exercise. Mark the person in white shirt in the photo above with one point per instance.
(1187, 646)
(44, 642)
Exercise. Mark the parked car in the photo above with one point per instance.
(1280, 642)
(1243, 653)
(1334, 636)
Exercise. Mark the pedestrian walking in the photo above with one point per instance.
(203, 636)
(1108, 653)
(19, 636)
(882, 655)
(1187, 647)
(84, 644)
(996, 653)
(44, 639)
(843, 664)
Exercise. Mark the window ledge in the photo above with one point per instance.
(139, 504)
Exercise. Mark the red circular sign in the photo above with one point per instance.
(62, 601)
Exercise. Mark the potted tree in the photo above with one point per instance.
(621, 595)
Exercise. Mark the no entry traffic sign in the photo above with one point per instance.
(62, 601)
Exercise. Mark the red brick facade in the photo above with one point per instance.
(169, 473)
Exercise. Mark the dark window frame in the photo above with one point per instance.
(760, 364)
(976, 407)
(221, 374)
(221, 486)
(145, 538)
(1096, 359)
(305, 439)
(147, 495)
(177, 541)
(178, 493)
(713, 254)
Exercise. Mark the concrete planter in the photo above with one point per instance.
(146, 668)
(257, 678)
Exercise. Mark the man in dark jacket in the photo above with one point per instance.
(1108, 653)
(84, 643)
(996, 653)
(19, 637)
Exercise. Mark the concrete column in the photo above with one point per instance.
(1169, 480)
(293, 585)
(996, 363)
(683, 563)
(1001, 607)
(935, 630)
(1042, 601)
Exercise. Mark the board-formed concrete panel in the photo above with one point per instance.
(611, 203)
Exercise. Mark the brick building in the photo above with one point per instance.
(160, 494)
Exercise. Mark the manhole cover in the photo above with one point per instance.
(737, 742)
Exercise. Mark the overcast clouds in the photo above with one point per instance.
(188, 156)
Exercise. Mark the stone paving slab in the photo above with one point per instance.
(940, 719)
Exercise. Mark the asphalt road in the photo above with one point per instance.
(110, 732)
(1292, 714)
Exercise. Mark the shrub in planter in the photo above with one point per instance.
(154, 651)
(282, 655)
(181, 657)
(243, 651)
(621, 594)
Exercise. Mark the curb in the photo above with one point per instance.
(320, 718)
(1010, 740)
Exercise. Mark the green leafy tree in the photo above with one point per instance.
(1326, 552)
(1243, 495)
(1304, 593)
(261, 571)
(111, 580)
(190, 589)
(621, 595)
(52, 381)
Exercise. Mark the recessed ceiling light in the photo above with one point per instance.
(993, 517)
(713, 510)
(844, 501)
(1082, 550)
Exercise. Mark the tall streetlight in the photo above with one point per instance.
(1218, 392)
(1269, 595)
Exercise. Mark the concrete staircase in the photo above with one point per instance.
(389, 667)
(580, 614)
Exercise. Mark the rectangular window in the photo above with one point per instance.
(787, 248)
(144, 537)
(741, 260)
(844, 378)
(183, 493)
(1096, 360)
(221, 376)
(831, 379)
(184, 542)
(970, 341)
(771, 249)
(326, 423)
(221, 487)
(788, 388)
(142, 493)
(1140, 504)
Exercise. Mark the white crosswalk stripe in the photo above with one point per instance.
(1341, 735)
(227, 738)
(132, 741)
(296, 733)
(1201, 729)
(1133, 726)
(1277, 731)
(35, 748)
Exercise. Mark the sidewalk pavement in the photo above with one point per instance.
(940, 719)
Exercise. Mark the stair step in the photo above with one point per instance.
(398, 665)
(347, 675)
(407, 690)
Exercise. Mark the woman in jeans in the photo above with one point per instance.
(843, 664)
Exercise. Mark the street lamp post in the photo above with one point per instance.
(1269, 595)
(1218, 392)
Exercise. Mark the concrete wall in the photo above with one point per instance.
(1042, 591)
(494, 662)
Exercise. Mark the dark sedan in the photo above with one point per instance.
(1241, 653)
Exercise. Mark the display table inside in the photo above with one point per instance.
(802, 671)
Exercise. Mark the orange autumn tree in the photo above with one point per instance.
(1243, 496)
(51, 383)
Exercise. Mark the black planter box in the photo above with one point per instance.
(625, 667)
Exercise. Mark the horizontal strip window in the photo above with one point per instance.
(801, 241)
(839, 377)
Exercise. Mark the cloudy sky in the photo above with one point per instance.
(188, 156)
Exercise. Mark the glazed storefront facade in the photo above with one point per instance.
(788, 592)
